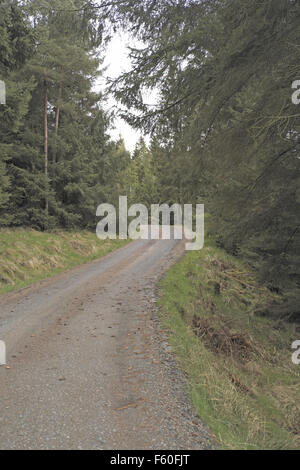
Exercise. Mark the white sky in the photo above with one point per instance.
(116, 62)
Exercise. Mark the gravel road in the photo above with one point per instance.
(90, 367)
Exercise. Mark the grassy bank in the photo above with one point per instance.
(242, 381)
(27, 256)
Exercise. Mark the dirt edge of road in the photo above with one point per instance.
(177, 379)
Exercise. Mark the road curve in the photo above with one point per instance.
(90, 367)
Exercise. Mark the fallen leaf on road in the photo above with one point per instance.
(130, 405)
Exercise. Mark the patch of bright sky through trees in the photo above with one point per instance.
(115, 63)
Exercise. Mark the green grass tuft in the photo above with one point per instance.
(242, 381)
(28, 256)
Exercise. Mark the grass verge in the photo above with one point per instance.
(27, 256)
(242, 381)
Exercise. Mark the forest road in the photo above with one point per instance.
(90, 366)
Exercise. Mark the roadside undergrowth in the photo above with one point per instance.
(27, 256)
(242, 381)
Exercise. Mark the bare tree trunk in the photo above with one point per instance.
(46, 142)
(57, 113)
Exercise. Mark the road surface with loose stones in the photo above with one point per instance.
(89, 364)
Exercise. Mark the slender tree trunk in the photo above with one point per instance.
(46, 142)
(57, 113)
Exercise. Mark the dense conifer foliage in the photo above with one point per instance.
(226, 129)
(55, 152)
(224, 132)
